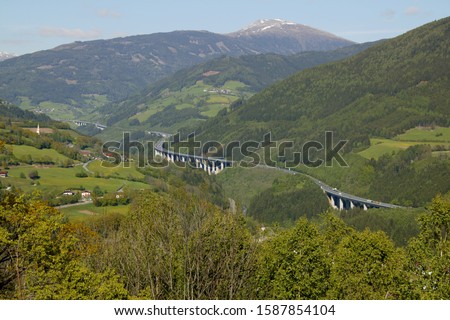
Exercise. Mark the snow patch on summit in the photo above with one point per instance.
(265, 24)
(6, 55)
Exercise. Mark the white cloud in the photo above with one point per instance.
(388, 13)
(107, 13)
(69, 33)
(412, 11)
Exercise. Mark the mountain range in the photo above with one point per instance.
(284, 37)
(382, 91)
(202, 90)
(80, 75)
(389, 104)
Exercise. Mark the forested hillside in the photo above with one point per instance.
(382, 91)
(192, 95)
(13, 112)
(72, 80)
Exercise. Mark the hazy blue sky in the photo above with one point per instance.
(32, 25)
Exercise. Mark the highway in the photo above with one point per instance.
(330, 191)
(337, 193)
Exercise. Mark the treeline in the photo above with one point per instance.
(177, 246)
(400, 225)
(11, 112)
(190, 180)
(287, 200)
(42, 257)
(411, 177)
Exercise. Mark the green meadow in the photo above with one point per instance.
(426, 134)
(208, 99)
(438, 136)
(60, 179)
(103, 168)
(22, 152)
(89, 210)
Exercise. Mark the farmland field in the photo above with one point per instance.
(60, 179)
(20, 152)
(86, 211)
(434, 137)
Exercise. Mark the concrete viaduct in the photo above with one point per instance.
(208, 164)
(337, 199)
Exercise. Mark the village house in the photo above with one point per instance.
(86, 194)
(68, 193)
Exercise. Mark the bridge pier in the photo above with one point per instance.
(341, 204)
(331, 201)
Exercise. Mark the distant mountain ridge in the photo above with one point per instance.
(255, 72)
(86, 75)
(278, 33)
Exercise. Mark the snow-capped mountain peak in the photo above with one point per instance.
(266, 24)
(298, 37)
(6, 55)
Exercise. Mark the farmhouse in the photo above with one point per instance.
(68, 193)
(86, 194)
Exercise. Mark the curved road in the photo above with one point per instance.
(335, 192)
(330, 191)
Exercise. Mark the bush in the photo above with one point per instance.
(81, 174)
(34, 175)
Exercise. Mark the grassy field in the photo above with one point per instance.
(433, 137)
(115, 172)
(380, 146)
(87, 211)
(60, 179)
(144, 115)
(425, 134)
(71, 132)
(207, 99)
(65, 111)
(191, 97)
(21, 152)
(212, 110)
